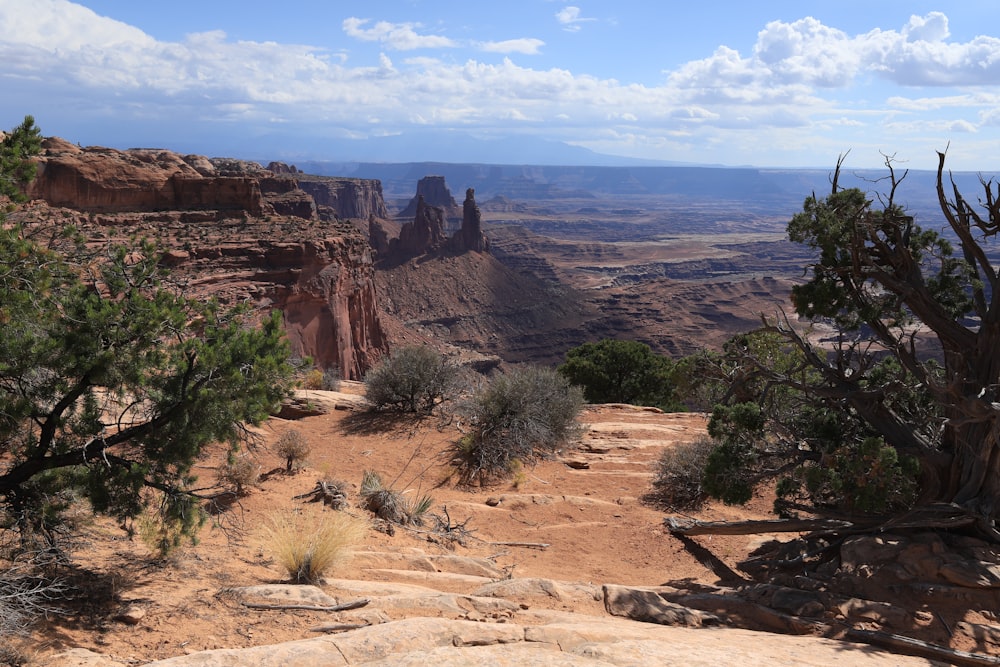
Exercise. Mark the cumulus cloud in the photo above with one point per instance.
(398, 36)
(570, 19)
(791, 83)
(526, 45)
(807, 52)
(930, 28)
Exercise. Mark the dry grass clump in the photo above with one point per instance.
(392, 505)
(293, 448)
(313, 379)
(310, 545)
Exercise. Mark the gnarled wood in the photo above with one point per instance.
(911, 646)
(688, 527)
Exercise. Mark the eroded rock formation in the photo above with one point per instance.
(470, 236)
(231, 230)
(354, 198)
(434, 192)
(105, 180)
(326, 292)
(425, 234)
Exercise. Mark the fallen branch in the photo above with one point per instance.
(923, 649)
(933, 516)
(529, 545)
(688, 527)
(337, 627)
(356, 604)
(331, 493)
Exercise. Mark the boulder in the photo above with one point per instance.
(648, 606)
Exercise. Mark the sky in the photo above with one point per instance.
(769, 83)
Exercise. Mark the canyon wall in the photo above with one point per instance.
(347, 197)
(324, 287)
(104, 180)
(234, 231)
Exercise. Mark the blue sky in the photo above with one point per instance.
(763, 83)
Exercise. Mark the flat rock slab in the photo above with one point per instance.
(533, 588)
(599, 642)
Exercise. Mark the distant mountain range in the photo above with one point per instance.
(780, 187)
(448, 147)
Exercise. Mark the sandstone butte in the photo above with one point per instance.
(306, 245)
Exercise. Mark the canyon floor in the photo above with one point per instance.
(523, 586)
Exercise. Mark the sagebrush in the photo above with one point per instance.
(527, 413)
(679, 474)
(414, 378)
(239, 473)
(293, 448)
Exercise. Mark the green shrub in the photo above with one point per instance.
(868, 477)
(522, 415)
(622, 371)
(413, 379)
(679, 473)
(309, 546)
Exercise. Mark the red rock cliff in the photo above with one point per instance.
(224, 239)
(104, 180)
(326, 292)
(348, 197)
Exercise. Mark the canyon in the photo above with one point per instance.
(355, 272)
(571, 562)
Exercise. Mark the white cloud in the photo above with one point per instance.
(930, 28)
(570, 18)
(398, 36)
(525, 45)
(806, 52)
(60, 25)
(802, 81)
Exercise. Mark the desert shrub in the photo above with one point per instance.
(293, 448)
(414, 378)
(679, 472)
(865, 477)
(318, 378)
(392, 505)
(309, 546)
(25, 596)
(313, 379)
(732, 467)
(238, 474)
(522, 415)
(331, 379)
(162, 537)
(13, 653)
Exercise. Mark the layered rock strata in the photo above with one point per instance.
(232, 230)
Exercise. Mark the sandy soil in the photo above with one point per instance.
(593, 520)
